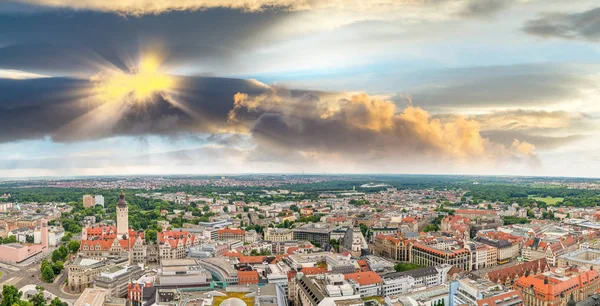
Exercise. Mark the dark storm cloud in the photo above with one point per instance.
(66, 42)
(583, 25)
(60, 108)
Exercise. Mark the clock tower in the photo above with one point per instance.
(122, 217)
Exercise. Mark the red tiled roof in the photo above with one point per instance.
(235, 231)
(534, 267)
(313, 271)
(552, 290)
(252, 259)
(512, 296)
(365, 278)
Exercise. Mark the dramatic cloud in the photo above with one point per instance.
(582, 25)
(364, 128)
(66, 109)
(545, 130)
(66, 48)
(136, 7)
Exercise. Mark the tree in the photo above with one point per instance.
(67, 237)
(364, 229)
(56, 255)
(74, 246)
(47, 271)
(10, 239)
(57, 267)
(431, 228)
(399, 267)
(29, 239)
(10, 295)
(57, 302)
(225, 209)
(64, 251)
(151, 235)
(74, 228)
(38, 299)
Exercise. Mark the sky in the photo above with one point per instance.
(485, 87)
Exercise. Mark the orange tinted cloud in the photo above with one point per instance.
(361, 127)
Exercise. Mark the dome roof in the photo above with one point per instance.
(233, 302)
(122, 202)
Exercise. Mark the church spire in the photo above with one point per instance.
(571, 301)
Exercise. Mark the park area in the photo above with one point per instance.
(547, 200)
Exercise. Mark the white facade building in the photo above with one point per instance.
(99, 200)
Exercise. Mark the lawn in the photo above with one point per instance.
(547, 200)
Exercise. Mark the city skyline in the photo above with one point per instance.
(277, 86)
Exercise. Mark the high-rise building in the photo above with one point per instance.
(99, 200)
(122, 217)
(88, 201)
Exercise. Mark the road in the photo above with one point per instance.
(29, 274)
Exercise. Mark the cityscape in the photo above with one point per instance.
(301, 240)
(299, 153)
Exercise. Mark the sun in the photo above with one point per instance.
(140, 85)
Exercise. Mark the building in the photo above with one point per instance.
(475, 214)
(82, 272)
(141, 294)
(174, 244)
(278, 234)
(392, 247)
(418, 279)
(232, 234)
(425, 255)
(122, 217)
(176, 273)
(251, 236)
(325, 290)
(510, 298)
(99, 200)
(247, 277)
(91, 297)
(88, 201)
(102, 242)
(593, 300)
(354, 242)
(367, 284)
(506, 250)
(16, 252)
(589, 258)
(114, 279)
(468, 291)
(314, 232)
(509, 275)
(554, 288)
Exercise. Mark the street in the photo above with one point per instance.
(30, 275)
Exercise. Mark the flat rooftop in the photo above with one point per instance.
(91, 297)
(14, 246)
